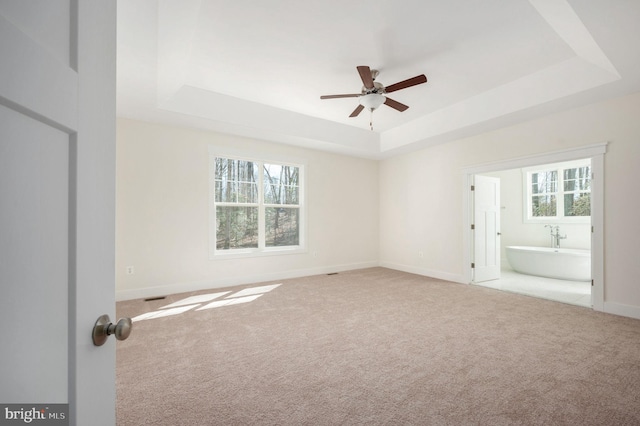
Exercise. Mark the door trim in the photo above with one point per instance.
(596, 154)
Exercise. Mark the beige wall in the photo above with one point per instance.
(421, 198)
(162, 212)
(404, 212)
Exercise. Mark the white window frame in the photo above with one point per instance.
(527, 195)
(261, 250)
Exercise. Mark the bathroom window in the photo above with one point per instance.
(256, 207)
(558, 193)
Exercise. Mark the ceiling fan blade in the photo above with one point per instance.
(395, 105)
(365, 75)
(354, 95)
(419, 79)
(357, 111)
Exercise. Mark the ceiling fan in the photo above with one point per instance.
(373, 94)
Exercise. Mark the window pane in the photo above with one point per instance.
(281, 184)
(577, 179)
(236, 227)
(543, 205)
(282, 226)
(577, 204)
(544, 182)
(235, 181)
(570, 179)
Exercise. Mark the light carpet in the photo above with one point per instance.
(376, 347)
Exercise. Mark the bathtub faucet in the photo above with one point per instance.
(555, 237)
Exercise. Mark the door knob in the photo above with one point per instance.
(104, 328)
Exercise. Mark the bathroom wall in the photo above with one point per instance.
(514, 230)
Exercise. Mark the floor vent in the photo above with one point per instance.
(332, 273)
(155, 298)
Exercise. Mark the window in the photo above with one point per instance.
(257, 206)
(561, 192)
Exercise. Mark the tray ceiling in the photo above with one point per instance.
(258, 69)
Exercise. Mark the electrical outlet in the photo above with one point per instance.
(421, 254)
(130, 270)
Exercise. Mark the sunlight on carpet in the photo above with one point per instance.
(181, 306)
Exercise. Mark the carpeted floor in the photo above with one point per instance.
(376, 347)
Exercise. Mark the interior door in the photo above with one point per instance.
(486, 233)
(57, 190)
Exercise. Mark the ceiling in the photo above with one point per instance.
(258, 69)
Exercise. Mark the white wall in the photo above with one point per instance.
(162, 212)
(421, 195)
(515, 232)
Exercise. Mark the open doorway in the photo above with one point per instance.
(594, 228)
(543, 231)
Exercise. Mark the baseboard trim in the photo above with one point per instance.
(622, 310)
(184, 287)
(456, 278)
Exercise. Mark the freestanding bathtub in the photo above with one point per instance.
(563, 264)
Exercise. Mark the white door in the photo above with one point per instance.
(57, 192)
(486, 233)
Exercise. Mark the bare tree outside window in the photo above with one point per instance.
(237, 227)
(281, 188)
(560, 193)
(577, 187)
(236, 195)
(257, 205)
(544, 186)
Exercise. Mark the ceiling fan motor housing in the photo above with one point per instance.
(377, 88)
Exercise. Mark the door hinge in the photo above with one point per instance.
(473, 226)
(591, 283)
(592, 229)
(473, 265)
(473, 187)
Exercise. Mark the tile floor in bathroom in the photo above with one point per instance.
(571, 292)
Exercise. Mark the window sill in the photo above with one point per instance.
(559, 220)
(248, 253)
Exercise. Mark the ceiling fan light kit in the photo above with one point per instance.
(372, 101)
(373, 94)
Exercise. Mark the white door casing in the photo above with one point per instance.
(486, 235)
(596, 153)
(57, 218)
